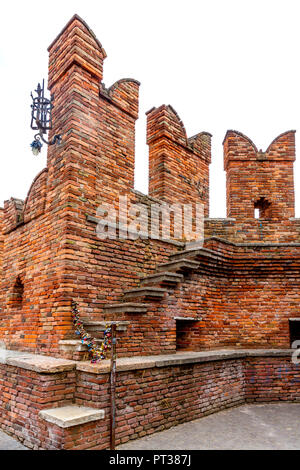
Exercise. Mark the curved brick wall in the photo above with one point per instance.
(155, 395)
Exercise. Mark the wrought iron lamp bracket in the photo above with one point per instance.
(56, 138)
(41, 119)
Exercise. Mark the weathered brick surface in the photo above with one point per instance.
(272, 380)
(243, 296)
(178, 166)
(238, 296)
(258, 179)
(147, 400)
(23, 394)
(240, 292)
(48, 242)
(155, 399)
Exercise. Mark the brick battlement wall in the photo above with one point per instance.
(239, 289)
(51, 251)
(258, 180)
(178, 166)
(237, 295)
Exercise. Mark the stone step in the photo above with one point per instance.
(75, 345)
(181, 265)
(71, 415)
(164, 278)
(126, 307)
(94, 326)
(194, 253)
(145, 293)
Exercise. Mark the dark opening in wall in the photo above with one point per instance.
(16, 297)
(294, 331)
(184, 333)
(262, 208)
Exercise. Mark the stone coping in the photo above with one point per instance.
(72, 415)
(35, 362)
(250, 245)
(52, 365)
(147, 362)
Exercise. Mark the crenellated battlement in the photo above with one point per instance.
(83, 237)
(50, 246)
(124, 93)
(76, 44)
(178, 165)
(260, 180)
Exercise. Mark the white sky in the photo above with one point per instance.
(222, 64)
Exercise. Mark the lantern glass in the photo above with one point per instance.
(35, 151)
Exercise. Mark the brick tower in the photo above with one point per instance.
(259, 180)
(178, 165)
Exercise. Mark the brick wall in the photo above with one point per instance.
(23, 393)
(48, 242)
(271, 379)
(178, 166)
(148, 400)
(243, 295)
(239, 296)
(263, 181)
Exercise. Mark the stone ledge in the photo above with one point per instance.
(71, 345)
(35, 362)
(187, 318)
(256, 244)
(52, 365)
(71, 415)
(147, 362)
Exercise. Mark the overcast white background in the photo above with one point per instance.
(222, 64)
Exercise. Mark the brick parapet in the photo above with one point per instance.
(250, 230)
(149, 397)
(257, 179)
(75, 44)
(178, 166)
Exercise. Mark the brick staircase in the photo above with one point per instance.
(152, 288)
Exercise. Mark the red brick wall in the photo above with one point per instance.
(177, 164)
(151, 400)
(147, 400)
(271, 379)
(244, 297)
(23, 394)
(51, 246)
(254, 230)
(252, 174)
(33, 252)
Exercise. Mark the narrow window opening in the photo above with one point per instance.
(184, 333)
(294, 331)
(16, 298)
(262, 208)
